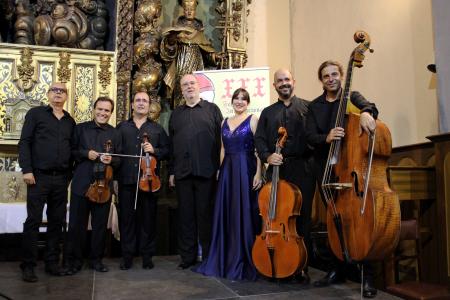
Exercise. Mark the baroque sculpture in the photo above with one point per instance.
(146, 48)
(63, 23)
(185, 48)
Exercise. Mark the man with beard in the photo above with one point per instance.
(321, 132)
(138, 225)
(45, 159)
(294, 160)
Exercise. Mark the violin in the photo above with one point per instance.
(100, 191)
(148, 181)
(363, 213)
(278, 252)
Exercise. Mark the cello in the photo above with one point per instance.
(363, 213)
(278, 252)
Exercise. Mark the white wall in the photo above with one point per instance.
(301, 34)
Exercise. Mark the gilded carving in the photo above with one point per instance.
(146, 49)
(64, 71)
(26, 70)
(123, 77)
(23, 27)
(78, 68)
(66, 23)
(84, 93)
(6, 87)
(233, 28)
(15, 102)
(124, 46)
(104, 74)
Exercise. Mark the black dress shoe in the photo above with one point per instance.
(302, 278)
(369, 291)
(99, 267)
(55, 270)
(28, 274)
(73, 269)
(126, 263)
(332, 277)
(185, 265)
(147, 264)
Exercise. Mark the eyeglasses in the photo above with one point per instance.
(58, 90)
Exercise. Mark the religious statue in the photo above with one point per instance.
(185, 48)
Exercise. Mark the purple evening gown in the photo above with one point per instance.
(236, 219)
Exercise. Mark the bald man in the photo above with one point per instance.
(194, 130)
(46, 162)
(290, 112)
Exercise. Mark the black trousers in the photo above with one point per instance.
(318, 168)
(195, 208)
(137, 227)
(80, 208)
(299, 172)
(50, 189)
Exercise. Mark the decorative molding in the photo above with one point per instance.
(124, 46)
(64, 72)
(233, 27)
(84, 93)
(104, 74)
(25, 70)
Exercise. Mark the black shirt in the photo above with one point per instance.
(195, 140)
(45, 141)
(90, 136)
(291, 117)
(322, 118)
(131, 145)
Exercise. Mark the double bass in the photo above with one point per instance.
(278, 252)
(363, 213)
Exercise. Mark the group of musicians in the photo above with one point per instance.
(53, 151)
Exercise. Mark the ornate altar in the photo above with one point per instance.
(103, 47)
(27, 72)
(64, 40)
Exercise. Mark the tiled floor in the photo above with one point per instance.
(163, 282)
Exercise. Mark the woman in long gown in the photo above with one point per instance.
(236, 219)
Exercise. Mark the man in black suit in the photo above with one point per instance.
(320, 132)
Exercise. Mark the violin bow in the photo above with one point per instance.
(137, 181)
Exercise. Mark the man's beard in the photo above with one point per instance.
(282, 95)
